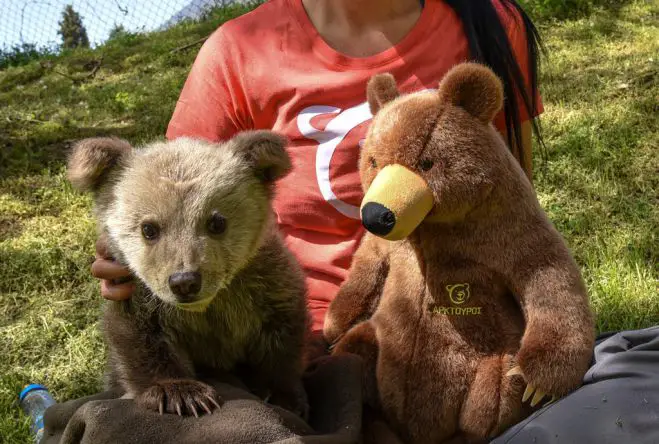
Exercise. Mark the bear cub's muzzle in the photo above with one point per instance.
(186, 285)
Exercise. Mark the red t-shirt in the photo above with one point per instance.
(270, 69)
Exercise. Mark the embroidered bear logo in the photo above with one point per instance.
(458, 293)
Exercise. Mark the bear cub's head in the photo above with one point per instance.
(184, 215)
(431, 156)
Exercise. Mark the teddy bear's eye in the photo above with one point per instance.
(373, 163)
(217, 223)
(426, 164)
(150, 231)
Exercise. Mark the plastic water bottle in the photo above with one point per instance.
(34, 400)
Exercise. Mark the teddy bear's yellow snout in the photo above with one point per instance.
(397, 201)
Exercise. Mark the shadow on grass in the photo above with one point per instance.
(48, 269)
(571, 9)
(10, 227)
(25, 156)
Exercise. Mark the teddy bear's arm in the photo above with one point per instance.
(556, 348)
(360, 293)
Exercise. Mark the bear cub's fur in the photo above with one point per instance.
(216, 289)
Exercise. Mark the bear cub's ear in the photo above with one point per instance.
(381, 88)
(266, 151)
(91, 161)
(475, 88)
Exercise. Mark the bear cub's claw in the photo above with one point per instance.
(181, 396)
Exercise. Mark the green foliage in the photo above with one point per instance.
(599, 89)
(117, 32)
(72, 31)
(22, 54)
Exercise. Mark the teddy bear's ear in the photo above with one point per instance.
(475, 88)
(381, 88)
(92, 160)
(266, 152)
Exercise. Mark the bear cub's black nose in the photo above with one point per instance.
(185, 285)
(378, 219)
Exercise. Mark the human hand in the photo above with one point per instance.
(115, 279)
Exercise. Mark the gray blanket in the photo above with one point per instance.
(618, 403)
(333, 386)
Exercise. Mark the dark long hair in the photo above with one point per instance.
(489, 44)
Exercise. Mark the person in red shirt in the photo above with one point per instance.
(300, 67)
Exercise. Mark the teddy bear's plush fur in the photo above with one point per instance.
(483, 299)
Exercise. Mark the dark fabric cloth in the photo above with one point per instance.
(333, 386)
(618, 403)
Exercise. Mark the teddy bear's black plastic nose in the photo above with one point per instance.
(185, 285)
(378, 219)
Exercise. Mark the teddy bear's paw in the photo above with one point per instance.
(334, 329)
(552, 361)
(537, 393)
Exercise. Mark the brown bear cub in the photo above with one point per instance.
(477, 307)
(217, 291)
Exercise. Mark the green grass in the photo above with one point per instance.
(601, 95)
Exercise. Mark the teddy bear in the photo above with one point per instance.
(463, 300)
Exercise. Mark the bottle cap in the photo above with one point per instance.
(29, 388)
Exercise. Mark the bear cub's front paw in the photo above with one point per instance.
(180, 396)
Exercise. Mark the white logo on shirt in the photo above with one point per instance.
(328, 139)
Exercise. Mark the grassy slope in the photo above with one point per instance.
(48, 303)
(600, 91)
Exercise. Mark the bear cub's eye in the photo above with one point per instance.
(426, 164)
(217, 223)
(372, 161)
(150, 231)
